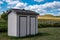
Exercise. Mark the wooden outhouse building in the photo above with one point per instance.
(22, 22)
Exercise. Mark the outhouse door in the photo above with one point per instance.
(22, 25)
(33, 25)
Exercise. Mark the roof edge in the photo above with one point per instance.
(20, 11)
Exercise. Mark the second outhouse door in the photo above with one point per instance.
(22, 25)
(32, 25)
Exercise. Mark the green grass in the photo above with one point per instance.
(44, 34)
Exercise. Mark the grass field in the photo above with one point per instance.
(44, 34)
(49, 18)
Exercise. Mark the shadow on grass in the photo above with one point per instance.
(31, 36)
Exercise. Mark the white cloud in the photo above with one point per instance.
(59, 9)
(47, 8)
(1, 2)
(38, 0)
(15, 4)
(11, 2)
(7, 0)
(20, 5)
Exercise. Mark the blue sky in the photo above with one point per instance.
(40, 6)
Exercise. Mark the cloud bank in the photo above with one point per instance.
(47, 8)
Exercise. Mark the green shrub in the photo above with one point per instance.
(39, 25)
(48, 25)
(3, 26)
(57, 25)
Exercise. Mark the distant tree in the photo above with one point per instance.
(4, 16)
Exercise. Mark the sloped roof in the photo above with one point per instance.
(22, 11)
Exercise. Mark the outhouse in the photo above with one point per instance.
(22, 22)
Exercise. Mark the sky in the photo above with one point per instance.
(40, 6)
